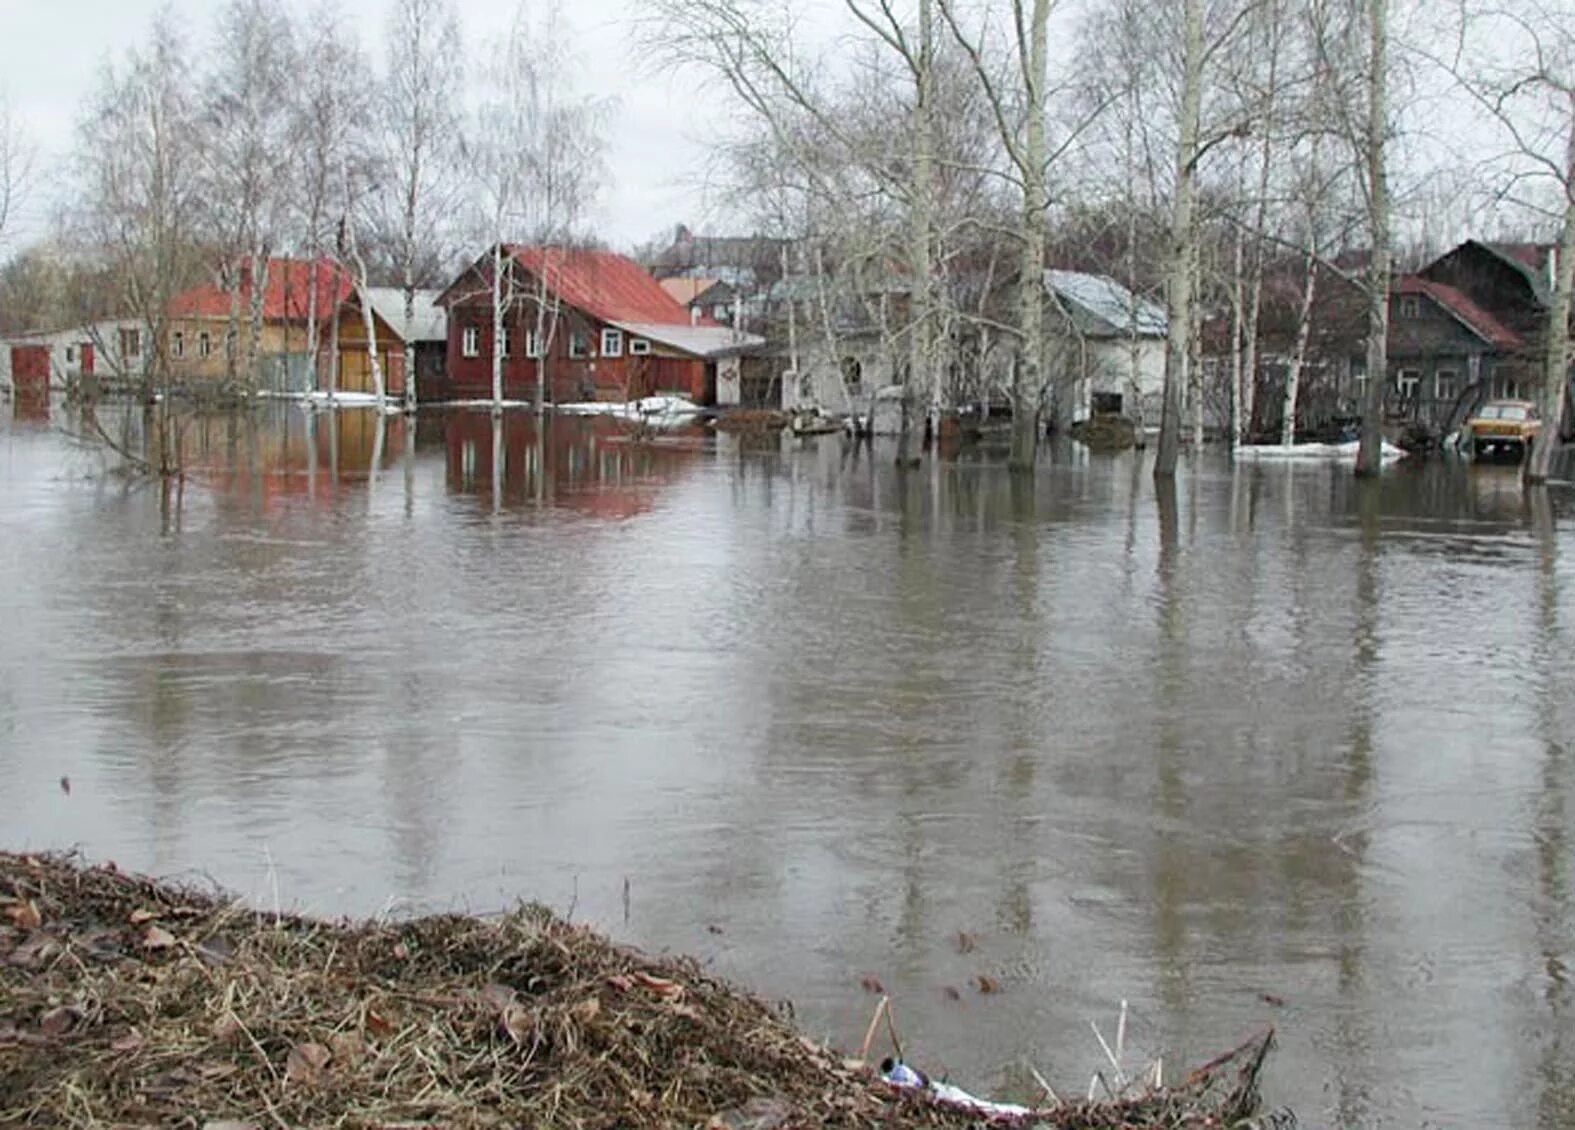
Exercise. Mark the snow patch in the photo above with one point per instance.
(1312, 452)
(647, 408)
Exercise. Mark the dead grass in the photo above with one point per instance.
(125, 1002)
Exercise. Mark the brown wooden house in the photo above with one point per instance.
(612, 333)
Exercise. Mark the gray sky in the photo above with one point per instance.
(656, 150)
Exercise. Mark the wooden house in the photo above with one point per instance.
(427, 335)
(611, 332)
(199, 324)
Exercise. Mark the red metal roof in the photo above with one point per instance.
(287, 296)
(1475, 318)
(607, 286)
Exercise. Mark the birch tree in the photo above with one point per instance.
(1372, 144)
(1180, 277)
(248, 148)
(137, 202)
(1020, 120)
(330, 111)
(16, 166)
(421, 94)
(751, 44)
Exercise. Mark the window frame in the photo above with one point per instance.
(131, 342)
(505, 336)
(1453, 376)
(204, 344)
(612, 342)
(1414, 380)
(639, 347)
(579, 345)
(1410, 306)
(532, 345)
(178, 344)
(470, 342)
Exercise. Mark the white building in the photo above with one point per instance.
(1106, 347)
(113, 349)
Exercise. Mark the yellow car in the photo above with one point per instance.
(1504, 425)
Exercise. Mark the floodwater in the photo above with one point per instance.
(1270, 748)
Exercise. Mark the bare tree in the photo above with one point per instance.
(1020, 120)
(136, 205)
(1527, 91)
(1374, 159)
(247, 145)
(330, 111)
(421, 93)
(16, 166)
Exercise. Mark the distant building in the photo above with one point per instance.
(1105, 347)
(111, 352)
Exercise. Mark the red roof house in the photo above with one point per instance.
(590, 325)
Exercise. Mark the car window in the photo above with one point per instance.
(1488, 413)
(1512, 412)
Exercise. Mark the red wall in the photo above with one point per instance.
(591, 378)
(30, 368)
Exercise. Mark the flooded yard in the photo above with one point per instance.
(1272, 747)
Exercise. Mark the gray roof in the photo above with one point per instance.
(431, 320)
(701, 341)
(1101, 307)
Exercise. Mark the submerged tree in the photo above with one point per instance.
(420, 132)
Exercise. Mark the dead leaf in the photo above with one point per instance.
(687, 1011)
(872, 985)
(1272, 999)
(158, 938)
(966, 942)
(25, 915)
(143, 917)
(131, 1042)
(987, 984)
(587, 1010)
(306, 1063)
(58, 1021)
(401, 951)
(518, 1023)
(35, 953)
(499, 996)
(348, 1048)
(951, 993)
(378, 1026)
(65, 785)
(227, 1029)
(661, 986)
(621, 983)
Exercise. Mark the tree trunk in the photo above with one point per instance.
(1369, 456)
(1183, 238)
(260, 265)
(1293, 376)
(920, 222)
(497, 326)
(1555, 363)
(1029, 378)
(312, 320)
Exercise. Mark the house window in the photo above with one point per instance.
(579, 345)
(204, 345)
(1509, 389)
(639, 347)
(1408, 381)
(612, 343)
(71, 355)
(719, 312)
(505, 341)
(1448, 384)
(178, 344)
(131, 343)
(532, 343)
(470, 342)
(1410, 307)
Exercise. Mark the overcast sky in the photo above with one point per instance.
(656, 138)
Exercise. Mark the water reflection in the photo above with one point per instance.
(1264, 734)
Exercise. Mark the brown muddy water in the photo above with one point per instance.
(1270, 749)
